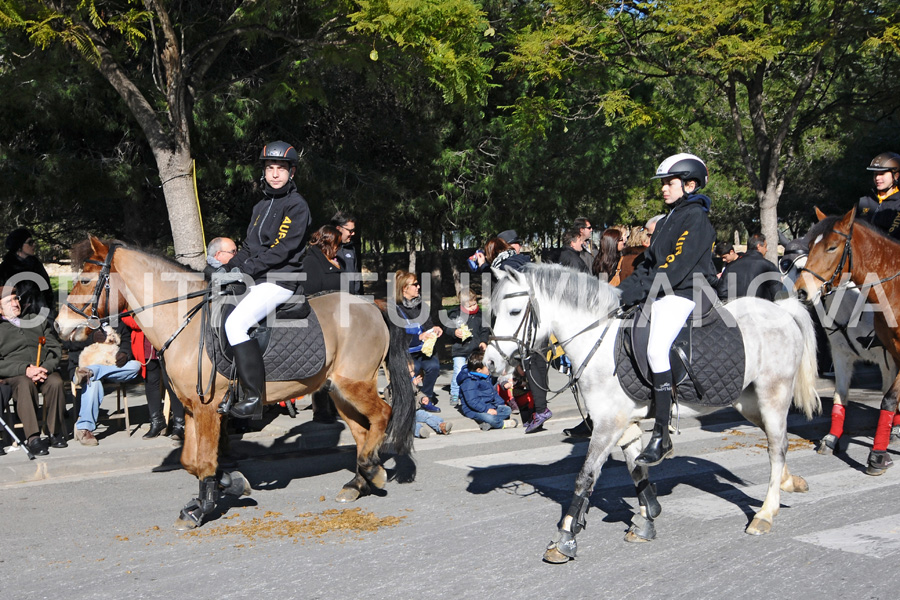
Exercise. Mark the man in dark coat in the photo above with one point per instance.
(573, 249)
(751, 274)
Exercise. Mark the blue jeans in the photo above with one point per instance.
(458, 363)
(431, 367)
(495, 421)
(92, 394)
(423, 417)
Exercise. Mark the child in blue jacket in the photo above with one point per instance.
(478, 397)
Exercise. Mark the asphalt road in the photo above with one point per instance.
(473, 524)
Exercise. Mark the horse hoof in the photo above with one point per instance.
(633, 538)
(800, 485)
(758, 527)
(829, 443)
(555, 557)
(379, 480)
(347, 494)
(184, 525)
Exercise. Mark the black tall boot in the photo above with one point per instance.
(157, 426)
(252, 374)
(660, 444)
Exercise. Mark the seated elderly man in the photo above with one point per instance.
(29, 355)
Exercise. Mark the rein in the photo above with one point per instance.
(95, 321)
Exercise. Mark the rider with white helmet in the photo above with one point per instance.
(882, 207)
(678, 260)
(271, 255)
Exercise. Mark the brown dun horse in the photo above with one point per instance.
(843, 249)
(358, 339)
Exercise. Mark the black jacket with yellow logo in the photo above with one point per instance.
(884, 215)
(277, 234)
(681, 247)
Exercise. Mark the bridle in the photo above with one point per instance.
(93, 320)
(828, 285)
(525, 336)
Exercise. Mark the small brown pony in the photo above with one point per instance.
(358, 339)
(843, 248)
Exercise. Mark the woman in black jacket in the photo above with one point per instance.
(678, 259)
(320, 265)
(273, 247)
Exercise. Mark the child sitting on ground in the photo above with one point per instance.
(426, 420)
(479, 399)
(470, 334)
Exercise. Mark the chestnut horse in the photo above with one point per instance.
(159, 292)
(849, 250)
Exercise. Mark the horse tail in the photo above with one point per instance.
(806, 398)
(401, 427)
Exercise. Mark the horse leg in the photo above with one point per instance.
(200, 458)
(843, 371)
(772, 418)
(359, 404)
(564, 548)
(642, 528)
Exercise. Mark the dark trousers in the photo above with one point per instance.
(538, 381)
(25, 396)
(153, 386)
(431, 367)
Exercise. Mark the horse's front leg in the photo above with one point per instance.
(199, 456)
(642, 528)
(564, 547)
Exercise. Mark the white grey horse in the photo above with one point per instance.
(780, 353)
(851, 333)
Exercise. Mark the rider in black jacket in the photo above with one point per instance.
(271, 255)
(882, 207)
(679, 259)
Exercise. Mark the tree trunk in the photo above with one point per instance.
(176, 174)
(768, 220)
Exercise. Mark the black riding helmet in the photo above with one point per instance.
(684, 166)
(280, 151)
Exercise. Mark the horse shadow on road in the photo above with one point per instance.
(614, 494)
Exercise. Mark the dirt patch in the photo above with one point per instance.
(306, 526)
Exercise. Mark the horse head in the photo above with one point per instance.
(829, 256)
(90, 299)
(512, 306)
(529, 306)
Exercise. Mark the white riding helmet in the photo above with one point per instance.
(684, 166)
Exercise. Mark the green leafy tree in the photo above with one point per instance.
(162, 58)
(771, 72)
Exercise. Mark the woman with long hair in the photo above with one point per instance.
(323, 272)
(608, 260)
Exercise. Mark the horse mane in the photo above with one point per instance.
(82, 251)
(571, 288)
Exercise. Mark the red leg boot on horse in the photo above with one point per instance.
(252, 374)
(660, 445)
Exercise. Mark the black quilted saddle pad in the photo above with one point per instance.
(292, 348)
(715, 353)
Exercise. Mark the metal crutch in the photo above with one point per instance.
(16, 438)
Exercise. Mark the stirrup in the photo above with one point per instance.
(227, 400)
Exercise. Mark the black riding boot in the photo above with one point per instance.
(660, 444)
(252, 374)
(177, 430)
